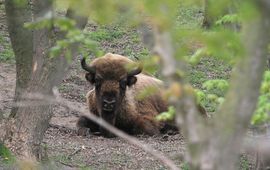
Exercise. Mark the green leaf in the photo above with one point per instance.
(55, 51)
(166, 116)
(146, 92)
(6, 155)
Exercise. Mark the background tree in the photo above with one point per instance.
(36, 73)
(21, 39)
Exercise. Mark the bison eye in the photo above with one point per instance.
(123, 84)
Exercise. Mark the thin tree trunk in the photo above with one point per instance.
(21, 39)
(207, 19)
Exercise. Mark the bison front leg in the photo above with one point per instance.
(86, 126)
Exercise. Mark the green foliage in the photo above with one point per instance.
(21, 3)
(167, 116)
(219, 42)
(208, 68)
(217, 86)
(105, 34)
(185, 166)
(222, 44)
(216, 71)
(150, 63)
(5, 155)
(261, 115)
(123, 40)
(73, 36)
(217, 8)
(265, 88)
(6, 52)
(213, 94)
(146, 92)
(229, 18)
(248, 10)
(189, 16)
(244, 164)
(196, 57)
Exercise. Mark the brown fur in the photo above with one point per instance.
(133, 116)
(112, 65)
(136, 116)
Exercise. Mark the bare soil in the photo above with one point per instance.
(72, 151)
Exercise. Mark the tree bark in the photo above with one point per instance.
(229, 127)
(21, 40)
(207, 19)
(242, 97)
(27, 127)
(216, 144)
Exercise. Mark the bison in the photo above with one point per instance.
(113, 97)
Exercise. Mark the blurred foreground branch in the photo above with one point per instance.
(51, 100)
(188, 118)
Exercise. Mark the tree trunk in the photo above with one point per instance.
(27, 128)
(21, 40)
(32, 121)
(207, 19)
(216, 144)
(232, 120)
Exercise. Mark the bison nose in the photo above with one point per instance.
(108, 105)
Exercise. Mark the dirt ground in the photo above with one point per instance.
(73, 151)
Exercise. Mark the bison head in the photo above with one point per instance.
(110, 77)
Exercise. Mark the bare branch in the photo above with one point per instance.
(49, 99)
(163, 47)
(187, 117)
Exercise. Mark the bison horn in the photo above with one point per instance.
(86, 67)
(136, 71)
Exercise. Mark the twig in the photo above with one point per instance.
(164, 49)
(187, 117)
(62, 128)
(74, 152)
(66, 164)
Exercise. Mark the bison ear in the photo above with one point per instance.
(90, 77)
(131, 80)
